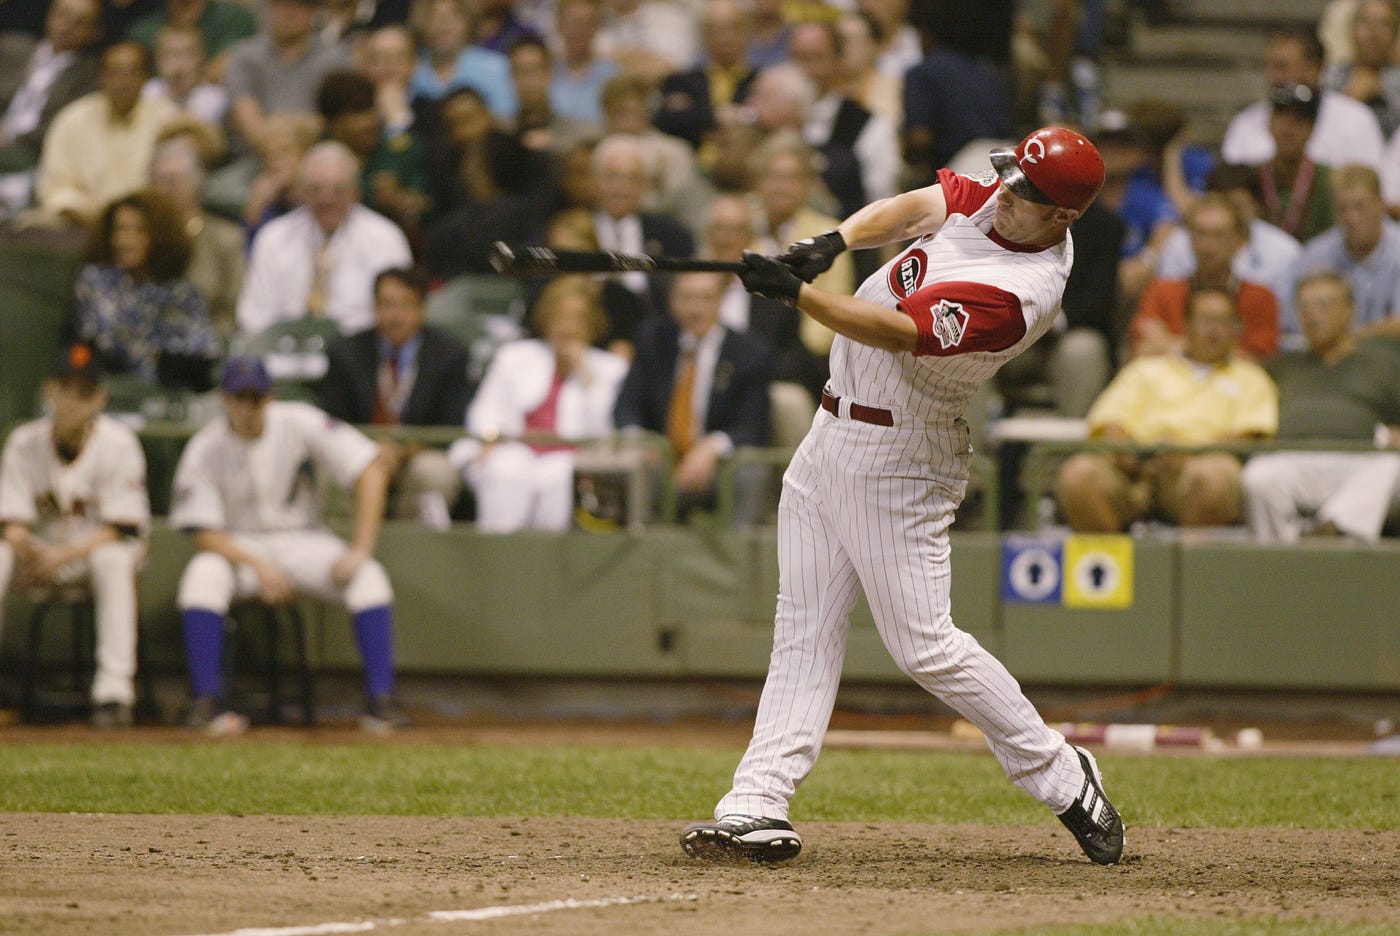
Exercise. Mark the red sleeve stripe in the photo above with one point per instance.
(961, 317)
(964, 194)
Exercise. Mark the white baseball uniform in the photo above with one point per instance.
(66, 501)
(868, 506)
(264, 493)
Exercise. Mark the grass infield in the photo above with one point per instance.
(280, 778)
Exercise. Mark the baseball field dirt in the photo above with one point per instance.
(271, 875)
(256, 875)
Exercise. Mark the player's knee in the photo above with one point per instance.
(114, 559)
(1262, 474)
(1082, 475)
(208, 583)
(369, 588)
(430, 470)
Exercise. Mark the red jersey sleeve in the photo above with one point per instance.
(961, 317)
(964, 194)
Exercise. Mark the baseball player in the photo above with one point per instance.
(246, 489)
(74, 510)
(871, 491)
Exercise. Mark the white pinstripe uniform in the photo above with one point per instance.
(64, 502)
(868, 507)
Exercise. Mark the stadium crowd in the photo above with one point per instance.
(252, 172)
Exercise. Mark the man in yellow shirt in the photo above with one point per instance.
(1203, 395)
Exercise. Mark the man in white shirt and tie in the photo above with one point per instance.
(321, 259)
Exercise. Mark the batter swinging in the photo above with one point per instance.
(870, 493)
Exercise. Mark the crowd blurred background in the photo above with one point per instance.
(240, 173)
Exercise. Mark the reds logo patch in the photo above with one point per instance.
(908, 273)
(949, 323)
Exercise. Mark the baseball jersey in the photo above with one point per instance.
(65, 501)
(978, 300)
(227, 482)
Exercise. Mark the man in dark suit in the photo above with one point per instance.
(403, 372)
(39, 80)
(691, 100)
(706, 388)
(622, 175)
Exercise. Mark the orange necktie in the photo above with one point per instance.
(680, 417)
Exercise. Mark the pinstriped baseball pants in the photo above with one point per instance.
(869, 507)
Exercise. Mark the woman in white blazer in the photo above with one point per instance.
(537, 392)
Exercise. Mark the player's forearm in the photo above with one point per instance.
(910, 214)
(18, 536)
(860, 320)
(220, 543)
(371, 497)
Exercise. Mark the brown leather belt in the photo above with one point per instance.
(859, 411)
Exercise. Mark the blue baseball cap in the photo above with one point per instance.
(246, 375)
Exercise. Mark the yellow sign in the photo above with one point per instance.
(1098, 572)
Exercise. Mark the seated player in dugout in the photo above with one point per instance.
(1204, 394)
(245, 489)
(74, 510)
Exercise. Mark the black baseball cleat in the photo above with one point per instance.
(742, 838)
(1092, 818)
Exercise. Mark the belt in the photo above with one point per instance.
(859, 411)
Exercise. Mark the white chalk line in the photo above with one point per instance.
(452, 916)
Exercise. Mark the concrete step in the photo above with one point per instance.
(1272, 12)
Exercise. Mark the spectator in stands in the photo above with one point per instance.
(706, 388)
(403, 372)
(878, 92)
(557, 385)
(861, 150)
(784, 170)
(651, 38)
(1339, 387)
(261, 185)
(798, 374)
(389, 57)
(73, 510)
(320, 260)
(538, 124)
(179, 76)
(768, 34)
(1203, 395)
(490, 188)
(779, 99)
(222, 24)
(393, 170)
(498, 28)
(244, 492)
(218, 245)
(39, 80)
(1270, 256)
(1347, 131)
(580, 73)
(134, 306)
(1297, 191)
(695, 100)
(1364, 246)
(1372, 77)
(1218, 232)
(950, 99)
(99, 147)
(623, 181)
(450, 61)
(280, 69)
(572, 229)
(627, 110)
(898, 47)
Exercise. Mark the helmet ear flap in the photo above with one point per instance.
(1052, 166)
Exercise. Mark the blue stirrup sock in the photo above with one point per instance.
(374, 632)
(204, 650)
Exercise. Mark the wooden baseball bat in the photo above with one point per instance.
(529, 259)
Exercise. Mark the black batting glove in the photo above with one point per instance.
(765, 276)
(813, 256)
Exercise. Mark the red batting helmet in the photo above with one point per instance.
(1052, 166)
